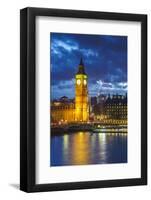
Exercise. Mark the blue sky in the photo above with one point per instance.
(104, 57)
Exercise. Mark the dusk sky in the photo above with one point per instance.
(104, 57)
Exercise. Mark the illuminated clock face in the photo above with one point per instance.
(85, 82)
(78, 81)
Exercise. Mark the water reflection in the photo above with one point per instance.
(81, 148)
(102, 145)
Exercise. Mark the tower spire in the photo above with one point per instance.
(81, 94)
(81, 69)
(81, 61)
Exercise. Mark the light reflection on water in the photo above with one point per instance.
(81, 148)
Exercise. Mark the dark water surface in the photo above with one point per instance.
(82, 148)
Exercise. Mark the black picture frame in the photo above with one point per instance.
(28, 99)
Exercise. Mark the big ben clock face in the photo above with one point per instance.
(85, 82)
(78, 82)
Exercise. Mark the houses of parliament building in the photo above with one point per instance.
(76, 110)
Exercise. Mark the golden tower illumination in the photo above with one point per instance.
(81, 94)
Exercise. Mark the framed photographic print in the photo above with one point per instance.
(83, 95)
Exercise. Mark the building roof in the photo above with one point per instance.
(81, 69)
(64, 97)
(117, 99)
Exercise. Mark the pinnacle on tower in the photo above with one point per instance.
(81, 69)
(81, 62)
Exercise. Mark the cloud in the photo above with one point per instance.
(68, 45)
(112, 88)
(104, 56)
(63, 88)
(89, 52)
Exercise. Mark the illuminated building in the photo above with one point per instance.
(116, 107)
(81, 95)
(111, 109)
(64, 110)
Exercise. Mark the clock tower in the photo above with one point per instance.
(81, 94)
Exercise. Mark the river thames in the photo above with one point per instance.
(86, 147)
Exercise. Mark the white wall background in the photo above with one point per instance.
(9, 99)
